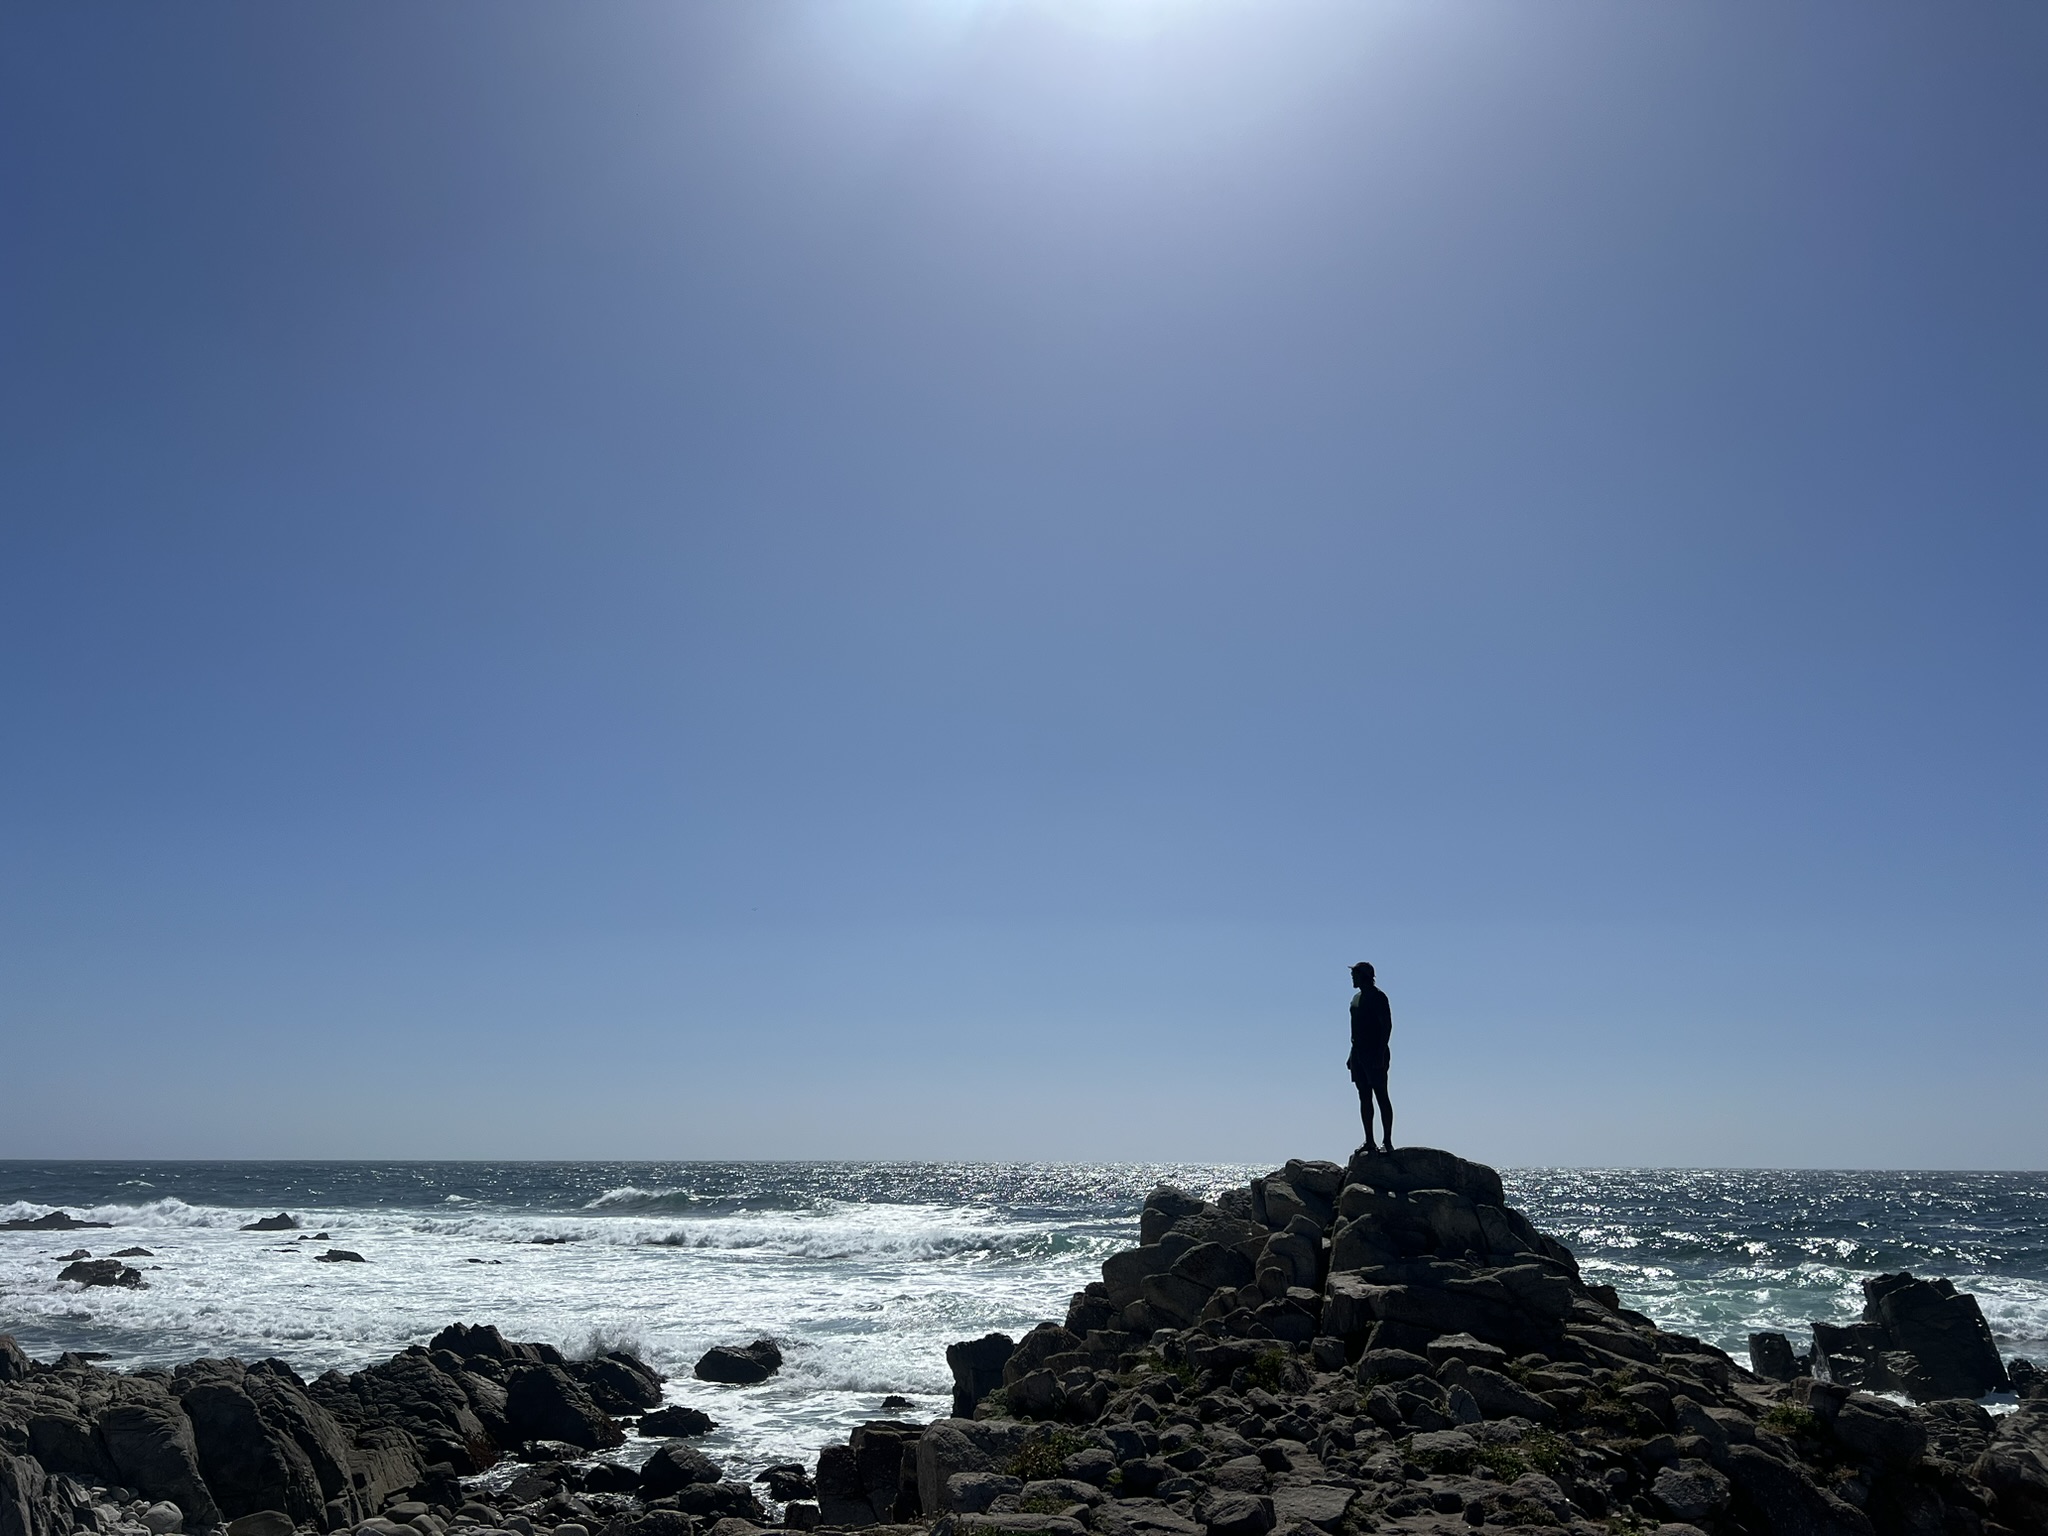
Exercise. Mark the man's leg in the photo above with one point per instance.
(1386, 1115)
(1365, 1112)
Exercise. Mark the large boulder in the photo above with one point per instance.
(872, 1479)
(962, 1445)
(543, 1402)
(977, 1367)
(674, 1468)
(740, 1365)
(619, 1382)
(34, 1502)
(150, 1447)
(1411, 1168)
(1942, 1329)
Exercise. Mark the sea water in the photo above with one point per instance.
(864, 1272)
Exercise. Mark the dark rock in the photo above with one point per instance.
(678, 1420)
(546, 1401)
(872, 1479)
(1942, 1329)
(283, 1221)
(34, 1502)
(339, 1256)
(134, 1253)
(1690, 1491)
(788, 1481)
(1163, 1207)
(720, 1501)
(1411, 1168)
(1238, 1514)
(103, 1272)
(740, 1365)
(674, 1468)
(1771, 1497)
(1876, 1429)
(262, 1522)
(149, 1446)
(610, 1477)
(653, 1522)
(977, 1367)
(619, 1382)
(1770, 1356)
(962, 1445)
(54, 1221)
(14, 1365)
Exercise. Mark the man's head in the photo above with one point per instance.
(1361, 974)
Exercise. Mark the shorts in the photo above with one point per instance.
(1373, 1076)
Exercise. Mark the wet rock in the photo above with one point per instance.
(787, 1481)
(53, 1221)
(740, 1365)
(544, 1401)
(103, 1272)
(675, 1468)
(339, 1256)
(283, 1221)
(677, 1420)
(619, 1382)
(1770, 1356)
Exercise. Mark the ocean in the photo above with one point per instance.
(864, 1272)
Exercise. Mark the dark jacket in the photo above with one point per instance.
(1372, 1027)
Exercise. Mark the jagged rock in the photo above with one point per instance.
(103, 1272)
(678, 1420)
(33, 1502)
(962, 1445)
(545, 1401)
(53, 1221)
(283, 1221)
(1163, 1207)
(1770, 1356)
(339, 1256)
(1942, 1329)
(1238, 1514)
(737, 1365)
(872, 1479)
(977, 1367)
(720, 1501)
(14, 1365)
(262, 1443)
(619, 1382)
(788, 1481)
(674, 1468)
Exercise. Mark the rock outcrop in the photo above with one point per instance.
(219, 1442)
(1389, 1346)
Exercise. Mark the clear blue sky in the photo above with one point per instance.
(802, 579)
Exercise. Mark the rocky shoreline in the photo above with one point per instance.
(1332, 1351)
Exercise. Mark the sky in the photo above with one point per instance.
(918, 578)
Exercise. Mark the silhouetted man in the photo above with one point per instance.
(1372, 1028)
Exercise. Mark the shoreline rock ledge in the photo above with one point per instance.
(1388, 1346)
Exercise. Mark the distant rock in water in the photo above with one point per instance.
(339, 1256)
(103, 1272)
(283, 1221)
(134, 1253)
(55, 1221)
(737, 1366)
